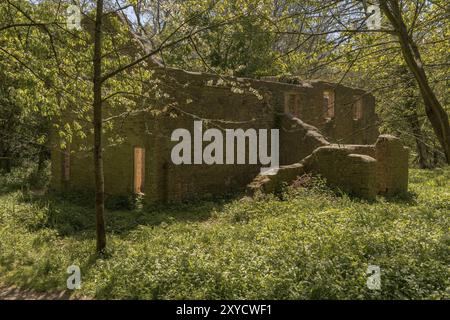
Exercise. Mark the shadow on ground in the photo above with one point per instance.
(12, 292)
(73, 215)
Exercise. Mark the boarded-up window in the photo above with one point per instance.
(357, 108)
(139, 170)
(328, 104)
(65, 164)
(292, 104)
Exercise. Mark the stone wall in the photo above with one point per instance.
(392, 165)
(222, 102)
(352, 173)
(298, 139)
(343, 127)
(361, 170)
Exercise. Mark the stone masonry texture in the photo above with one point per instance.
(344, 150)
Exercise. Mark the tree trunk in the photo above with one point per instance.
(411, 116)
(423, 152)
(97, 106)
(435, 113)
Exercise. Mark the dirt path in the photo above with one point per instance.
(16, 293)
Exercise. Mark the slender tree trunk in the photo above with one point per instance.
(423, 152)
(435, 113)
(97, 106)
(424, 155)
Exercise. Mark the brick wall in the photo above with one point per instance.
(361, 170)
(222, 103)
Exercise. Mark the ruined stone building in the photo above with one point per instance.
(324, 128)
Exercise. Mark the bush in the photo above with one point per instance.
(25, 178)
(311, 244)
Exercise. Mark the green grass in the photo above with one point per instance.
(310, 245)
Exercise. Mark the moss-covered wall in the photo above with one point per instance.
(221, 103)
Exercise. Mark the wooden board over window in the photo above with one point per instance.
(139, 170)
(292, 104)
(328, 104)
(357, 108)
